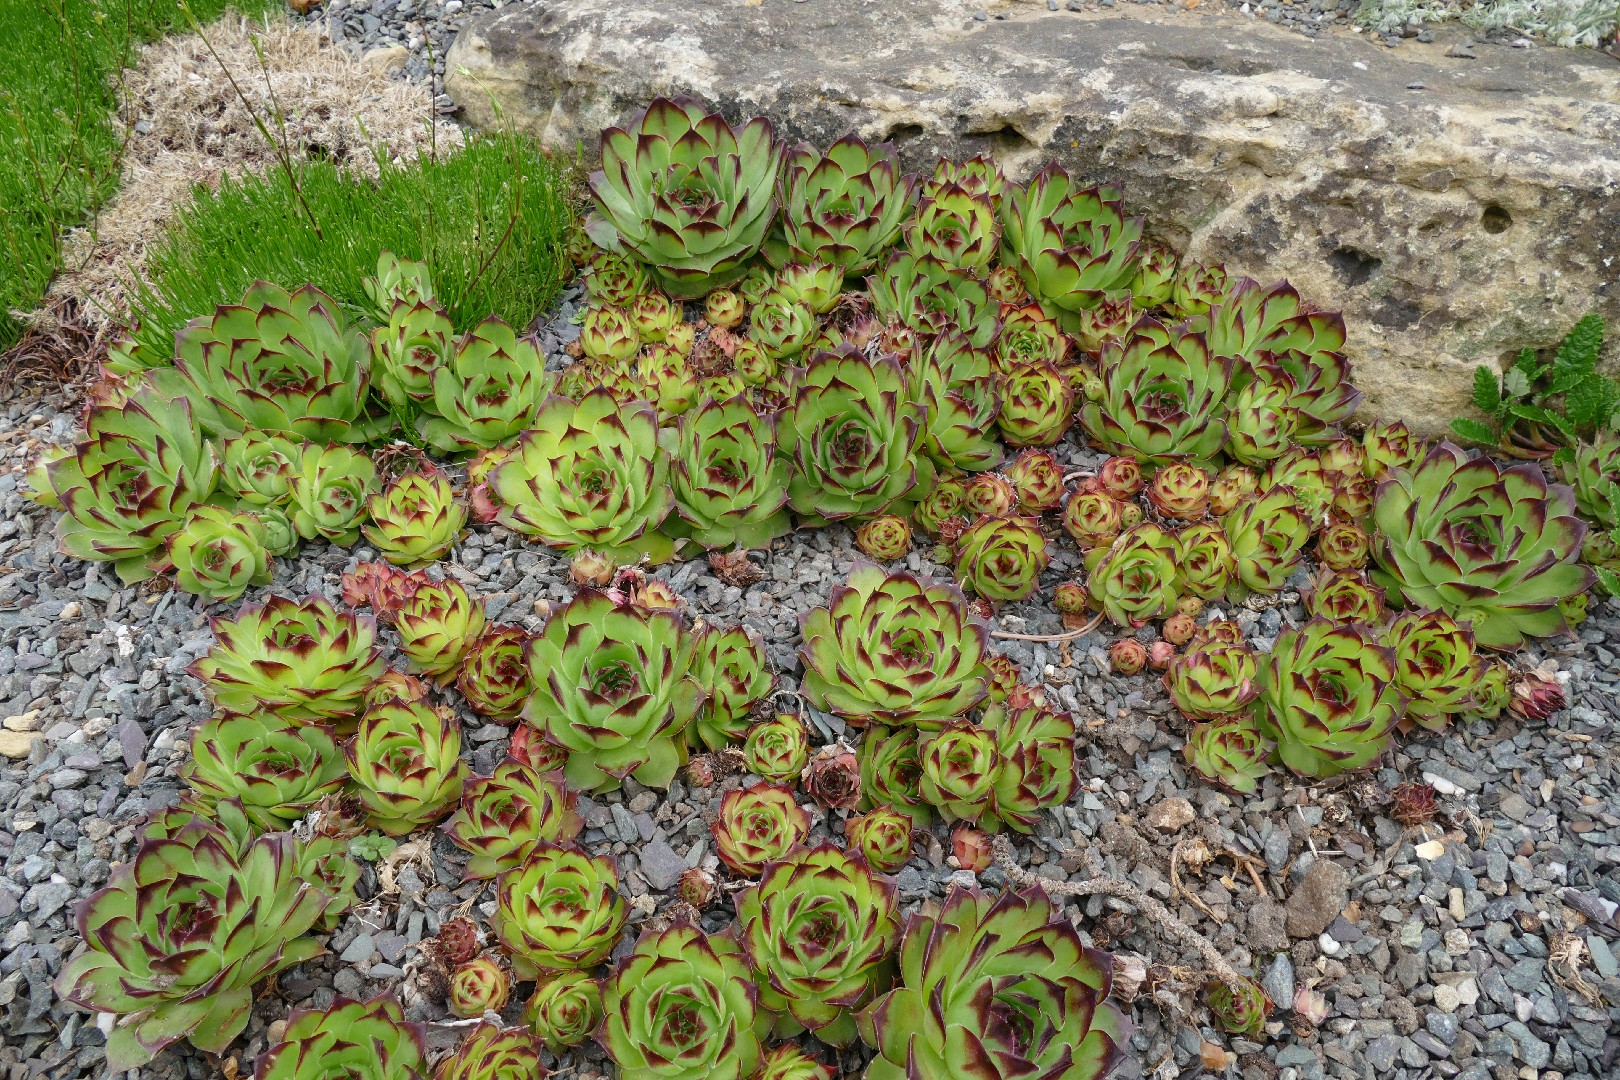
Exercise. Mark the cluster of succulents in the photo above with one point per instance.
(773, 336)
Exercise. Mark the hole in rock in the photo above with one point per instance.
(1354, 267)
(1495, 219)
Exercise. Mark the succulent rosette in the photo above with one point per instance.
(491, 1052)
(1267, 534)
(129, 482)
(686, 193)
(978, 962)
(843, 208)
(1386, 445)
(1436, 666)
(1133, 580)
(478, 986)
(956, 224)
(437, 625)
(931, 297)
(1204, 563)
(494, 677)
(565, 1009)
(416, 341)
(780, 325)
(397, 281)
(1261, 420)
(959, 764)
(490, 389)
(683, 1006)
(731, 669)
(851, 435)
(1035, 770)
(989, 495)
(724, 308)
(891, 773)
(778, 749)
(882, 837)
(941, 505)
(416, 518)
(817, 930)
(1179, 490)
(1163, 394)
(613, 277)
(615, 686)
(1037, 403)
(1038, 479)
(1093, 519)
(588, 475)
(886, 538)
(730, 484)
(177, 939)
(1230, 752)
(1155, 282)
(369, 1039)
(1213, 680)
(257, 467)
(1345, 596)
(558, 911)
(1239, 1010)
(217, 554)
(1198, 287)
(607, 335)
(893, 648)
(1073, 247)
(1328, 698)
(302, 661)
(278, 772)
(1491, 546)
(405, 762)
(329, 491)
(285, 362)
(505, 815)
(758, 825)
(1342, 546)
(1002, 558)
(956, 395)
(816, 285)
(788, 1062)
(1029, 336)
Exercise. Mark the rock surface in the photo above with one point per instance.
(1456, 209)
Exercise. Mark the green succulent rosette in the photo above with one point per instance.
(258, 467)
(407, 353)
(788, 1062)
(816, 285)
(1490, 546)
(686, 193)
(1198, 287)
(494, 676)
(1155, 282)
(1345, 596)
(558, 911)
(490, 390)
(683, 1006)
(302, 661)
(614, 686)
(397, 281)
(415, 519)
(891, 773)
(941, 504)
(956, 225)
(369, 1039)
(1239, 1010)
(1002, 558)
(1387, 445)
(565, 1009)
(1230, 752)
(1093, 519)
(1213, 680)
(405, 764)
(1342, 546)
(1328, 698)
(843, 208)
(608, 334)
(886, 537)
(175, 942)
(1262, 423)
(129, 482)
(959, 764)
(437, 625)
(850, 436)
(730, 668)
(1267, 534)
(957, 400)
(980, 960)
(1074, 248)
(1436, 666)
(1133, 580)
(491, 1052)
(283, 362)
(478, 986)
(1163, 395)
(894, 648)
(1204, 564)
(276, 771)
(329, 492)
(780, 325)
(758, 825)
(931, 297)
(503, 817)
(1037, 403)
(818, 929)
(777, 749)
(729, 482)
(1035, 764)
(613, 277)
(216, 554)
(589, 475)
(882, 837)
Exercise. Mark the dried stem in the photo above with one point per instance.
(1007, 635)
(1157, 914)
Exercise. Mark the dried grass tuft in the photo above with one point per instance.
(189, 126)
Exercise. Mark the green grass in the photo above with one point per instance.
(60, 142)
(489, 220)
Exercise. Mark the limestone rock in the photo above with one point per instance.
(1318, 899)
(1457, 210)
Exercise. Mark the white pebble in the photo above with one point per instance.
(1441, 785)
(1329, 945)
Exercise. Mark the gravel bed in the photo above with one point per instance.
(1482, 946)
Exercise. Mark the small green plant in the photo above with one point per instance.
(372, 846)
(1538, 406)
(488, 221)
